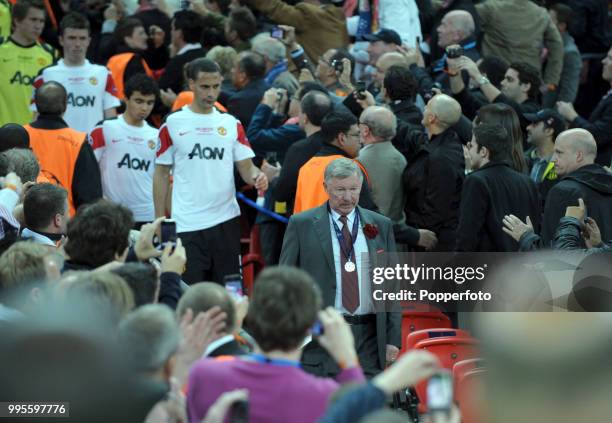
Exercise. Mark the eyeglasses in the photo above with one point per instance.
(354, 135)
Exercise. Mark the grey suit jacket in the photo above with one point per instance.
(308, 245)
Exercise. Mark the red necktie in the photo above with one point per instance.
(350, 282)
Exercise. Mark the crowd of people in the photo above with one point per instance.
(326, 132)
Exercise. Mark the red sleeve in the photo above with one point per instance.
(110, 85)
(36, 84)
(242, 138)
(96, 138)
(165, 141)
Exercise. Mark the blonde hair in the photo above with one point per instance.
(225, 57)
(23, 262)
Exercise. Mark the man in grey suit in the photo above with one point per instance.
(385, 166)
(338, 243)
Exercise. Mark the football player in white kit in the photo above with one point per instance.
(125, 149)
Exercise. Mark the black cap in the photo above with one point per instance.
(13, 135)
(387, 35)
(551, 118)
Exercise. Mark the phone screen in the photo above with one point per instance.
(277, 32)
(168, 231)
(440, 392)
(233, 285)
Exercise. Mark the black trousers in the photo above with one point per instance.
(212, 253)
(316, 360)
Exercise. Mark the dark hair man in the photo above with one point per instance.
(92, 95)
(45, 209)
(492, 191)
(125, 150)
(202, 145)
(240, 27)
(23, 56)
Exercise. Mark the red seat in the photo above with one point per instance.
(470, 396)
(449, 351)
(462, 367)
(418, 320)
(413, 338)
(252, 262)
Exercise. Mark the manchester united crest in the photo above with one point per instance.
(222, 131)
(93, 80)
(151, 144)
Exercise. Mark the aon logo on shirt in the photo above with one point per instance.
(206, 153)
(22, 79)
(134, 163)
(81, 101)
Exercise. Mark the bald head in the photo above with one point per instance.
(446, 109)
(455, 27)
(462, 21)
(574, 149)
(51, 99)
(203, 296)
(381, 121)
(390, 59)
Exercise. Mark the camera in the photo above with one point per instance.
(277, 33)
(337, 65)
(440, 392)
(453, 52)
(360, 88)
(233, 285)
(168, 232)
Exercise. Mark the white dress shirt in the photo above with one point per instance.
(216, 344)
(360, 255)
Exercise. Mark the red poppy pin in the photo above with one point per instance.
(369, 230)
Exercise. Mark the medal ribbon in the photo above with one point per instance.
(347, 254)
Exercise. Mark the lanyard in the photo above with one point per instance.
(347, 254)
(274, 361)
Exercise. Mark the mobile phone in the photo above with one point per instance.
(277, 32)
(454, 52)
(239, 412)
(168, 231)
(317, 329)
(184, 4)
(337, 65)
(233, 285)
(440, 392)
(360, 87)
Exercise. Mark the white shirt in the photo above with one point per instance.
(360, 254)
(126, 155)
(187, 47)
(202, 149)
(91, 90)
(37, 238)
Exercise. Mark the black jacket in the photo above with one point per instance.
(156, 58)
(490, 193)
(173, 74)
(567, 237)
(433, 179)
(600, 125)
(242, 104)
(406, 111)
(297, 155)
(231, 348)
(590, 25)
(591, 183)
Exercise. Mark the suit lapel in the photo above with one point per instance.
(365, 220)
(321, 226)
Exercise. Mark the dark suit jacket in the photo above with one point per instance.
(600, 125)
(490, 193)
(173, 73)
(308, 245)
(231, 348)
(242, 104)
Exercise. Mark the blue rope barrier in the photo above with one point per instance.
(260, 209)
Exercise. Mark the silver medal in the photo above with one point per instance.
(349, 266)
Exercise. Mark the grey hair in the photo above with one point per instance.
(381, 121)
(150, 335)
(22, 161)
(341, 169)
(270, 48)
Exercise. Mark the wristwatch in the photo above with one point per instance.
(483, 81)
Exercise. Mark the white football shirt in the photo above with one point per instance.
(202, 148)
(126, 155)
(91, 90)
